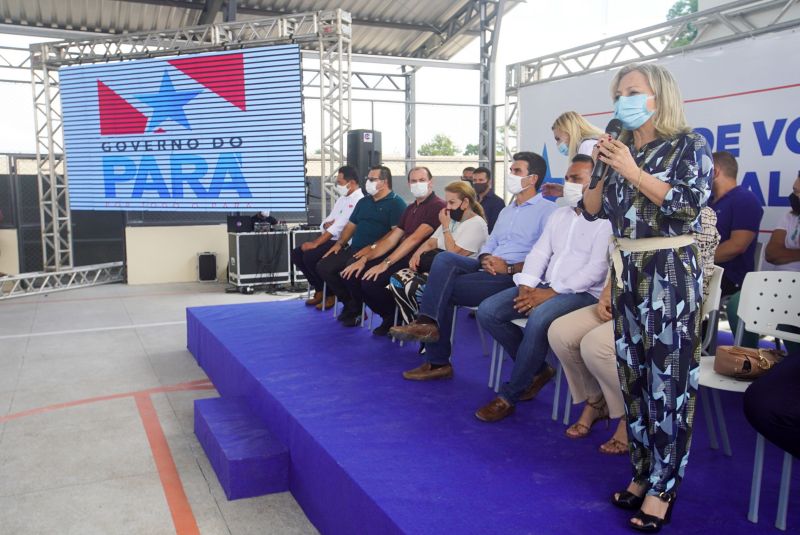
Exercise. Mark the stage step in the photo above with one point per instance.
(248, 460)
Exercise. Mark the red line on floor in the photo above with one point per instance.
(182, 515)
(200, 384)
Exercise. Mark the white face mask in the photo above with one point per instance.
(371, 187)
(572, 193)
(514, 184)
(341, 190)
(265, 213)
(419, 189)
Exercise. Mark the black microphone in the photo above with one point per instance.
(614, 129)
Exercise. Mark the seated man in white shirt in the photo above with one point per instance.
(306, 256)
(564, 271)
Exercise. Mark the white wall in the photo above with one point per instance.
(9, 251)
(169, 254)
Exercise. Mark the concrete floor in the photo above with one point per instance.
(95, 466)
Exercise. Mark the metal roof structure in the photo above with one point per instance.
(430, 29)
(411, 35)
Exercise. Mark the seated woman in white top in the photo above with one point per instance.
(783, 249)
(574, 134)
(462, 230)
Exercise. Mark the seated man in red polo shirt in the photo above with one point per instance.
(367, 278)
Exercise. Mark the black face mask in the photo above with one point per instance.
(481, 188)
(794, 200)
(457, 214)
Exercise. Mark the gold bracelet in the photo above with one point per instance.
(639, 183)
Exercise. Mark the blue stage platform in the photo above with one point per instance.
(373, 453)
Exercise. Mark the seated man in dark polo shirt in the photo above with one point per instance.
(372, 218)
(491, 203)
(368, 276)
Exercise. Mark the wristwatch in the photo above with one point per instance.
(510, 269)
(374, 245)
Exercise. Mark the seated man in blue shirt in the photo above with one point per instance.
(459, 280)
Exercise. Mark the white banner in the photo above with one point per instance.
(744, 97)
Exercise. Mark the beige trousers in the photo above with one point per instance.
(585, 346)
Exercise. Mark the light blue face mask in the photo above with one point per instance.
(632, 111)
(563, 148)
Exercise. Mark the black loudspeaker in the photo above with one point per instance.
(207, 267)
(363, 150)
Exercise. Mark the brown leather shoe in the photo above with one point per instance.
(422, 332)
(495, 410)
(314, 300)
(329, 302)
(538, 382)
(427, 373)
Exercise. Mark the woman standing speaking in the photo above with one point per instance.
(658, 181)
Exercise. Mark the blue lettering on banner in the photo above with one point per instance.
(768, 142)
(184, 169)
(726, 139)
(792, 140)
(750, 181)
(775, 197)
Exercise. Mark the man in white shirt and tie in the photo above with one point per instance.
(306, 256)
(564, 271)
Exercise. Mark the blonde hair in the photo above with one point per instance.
(668, 119)
(464, 190)
(577, 128)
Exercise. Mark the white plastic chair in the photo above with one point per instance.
(759, 256)
(768, 299)
(710, 311)
(480, 331)
(496, 368)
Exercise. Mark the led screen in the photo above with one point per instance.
(220, 131)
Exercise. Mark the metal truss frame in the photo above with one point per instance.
(335, 52)
(327, 32)
(15, 59)
(712, 27)
(491, 15)
(66, 279)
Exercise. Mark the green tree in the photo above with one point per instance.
(679, 9)
(500, 136)
(440, 145)
(471, 150)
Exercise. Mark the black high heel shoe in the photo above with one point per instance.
(628, 500)
(652, 523)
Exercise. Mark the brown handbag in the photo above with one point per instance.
(745, 363)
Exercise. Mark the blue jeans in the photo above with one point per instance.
(528, 348)
(455, 280)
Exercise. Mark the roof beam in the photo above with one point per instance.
(243, 10)
(209, 12)
(461, 22)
